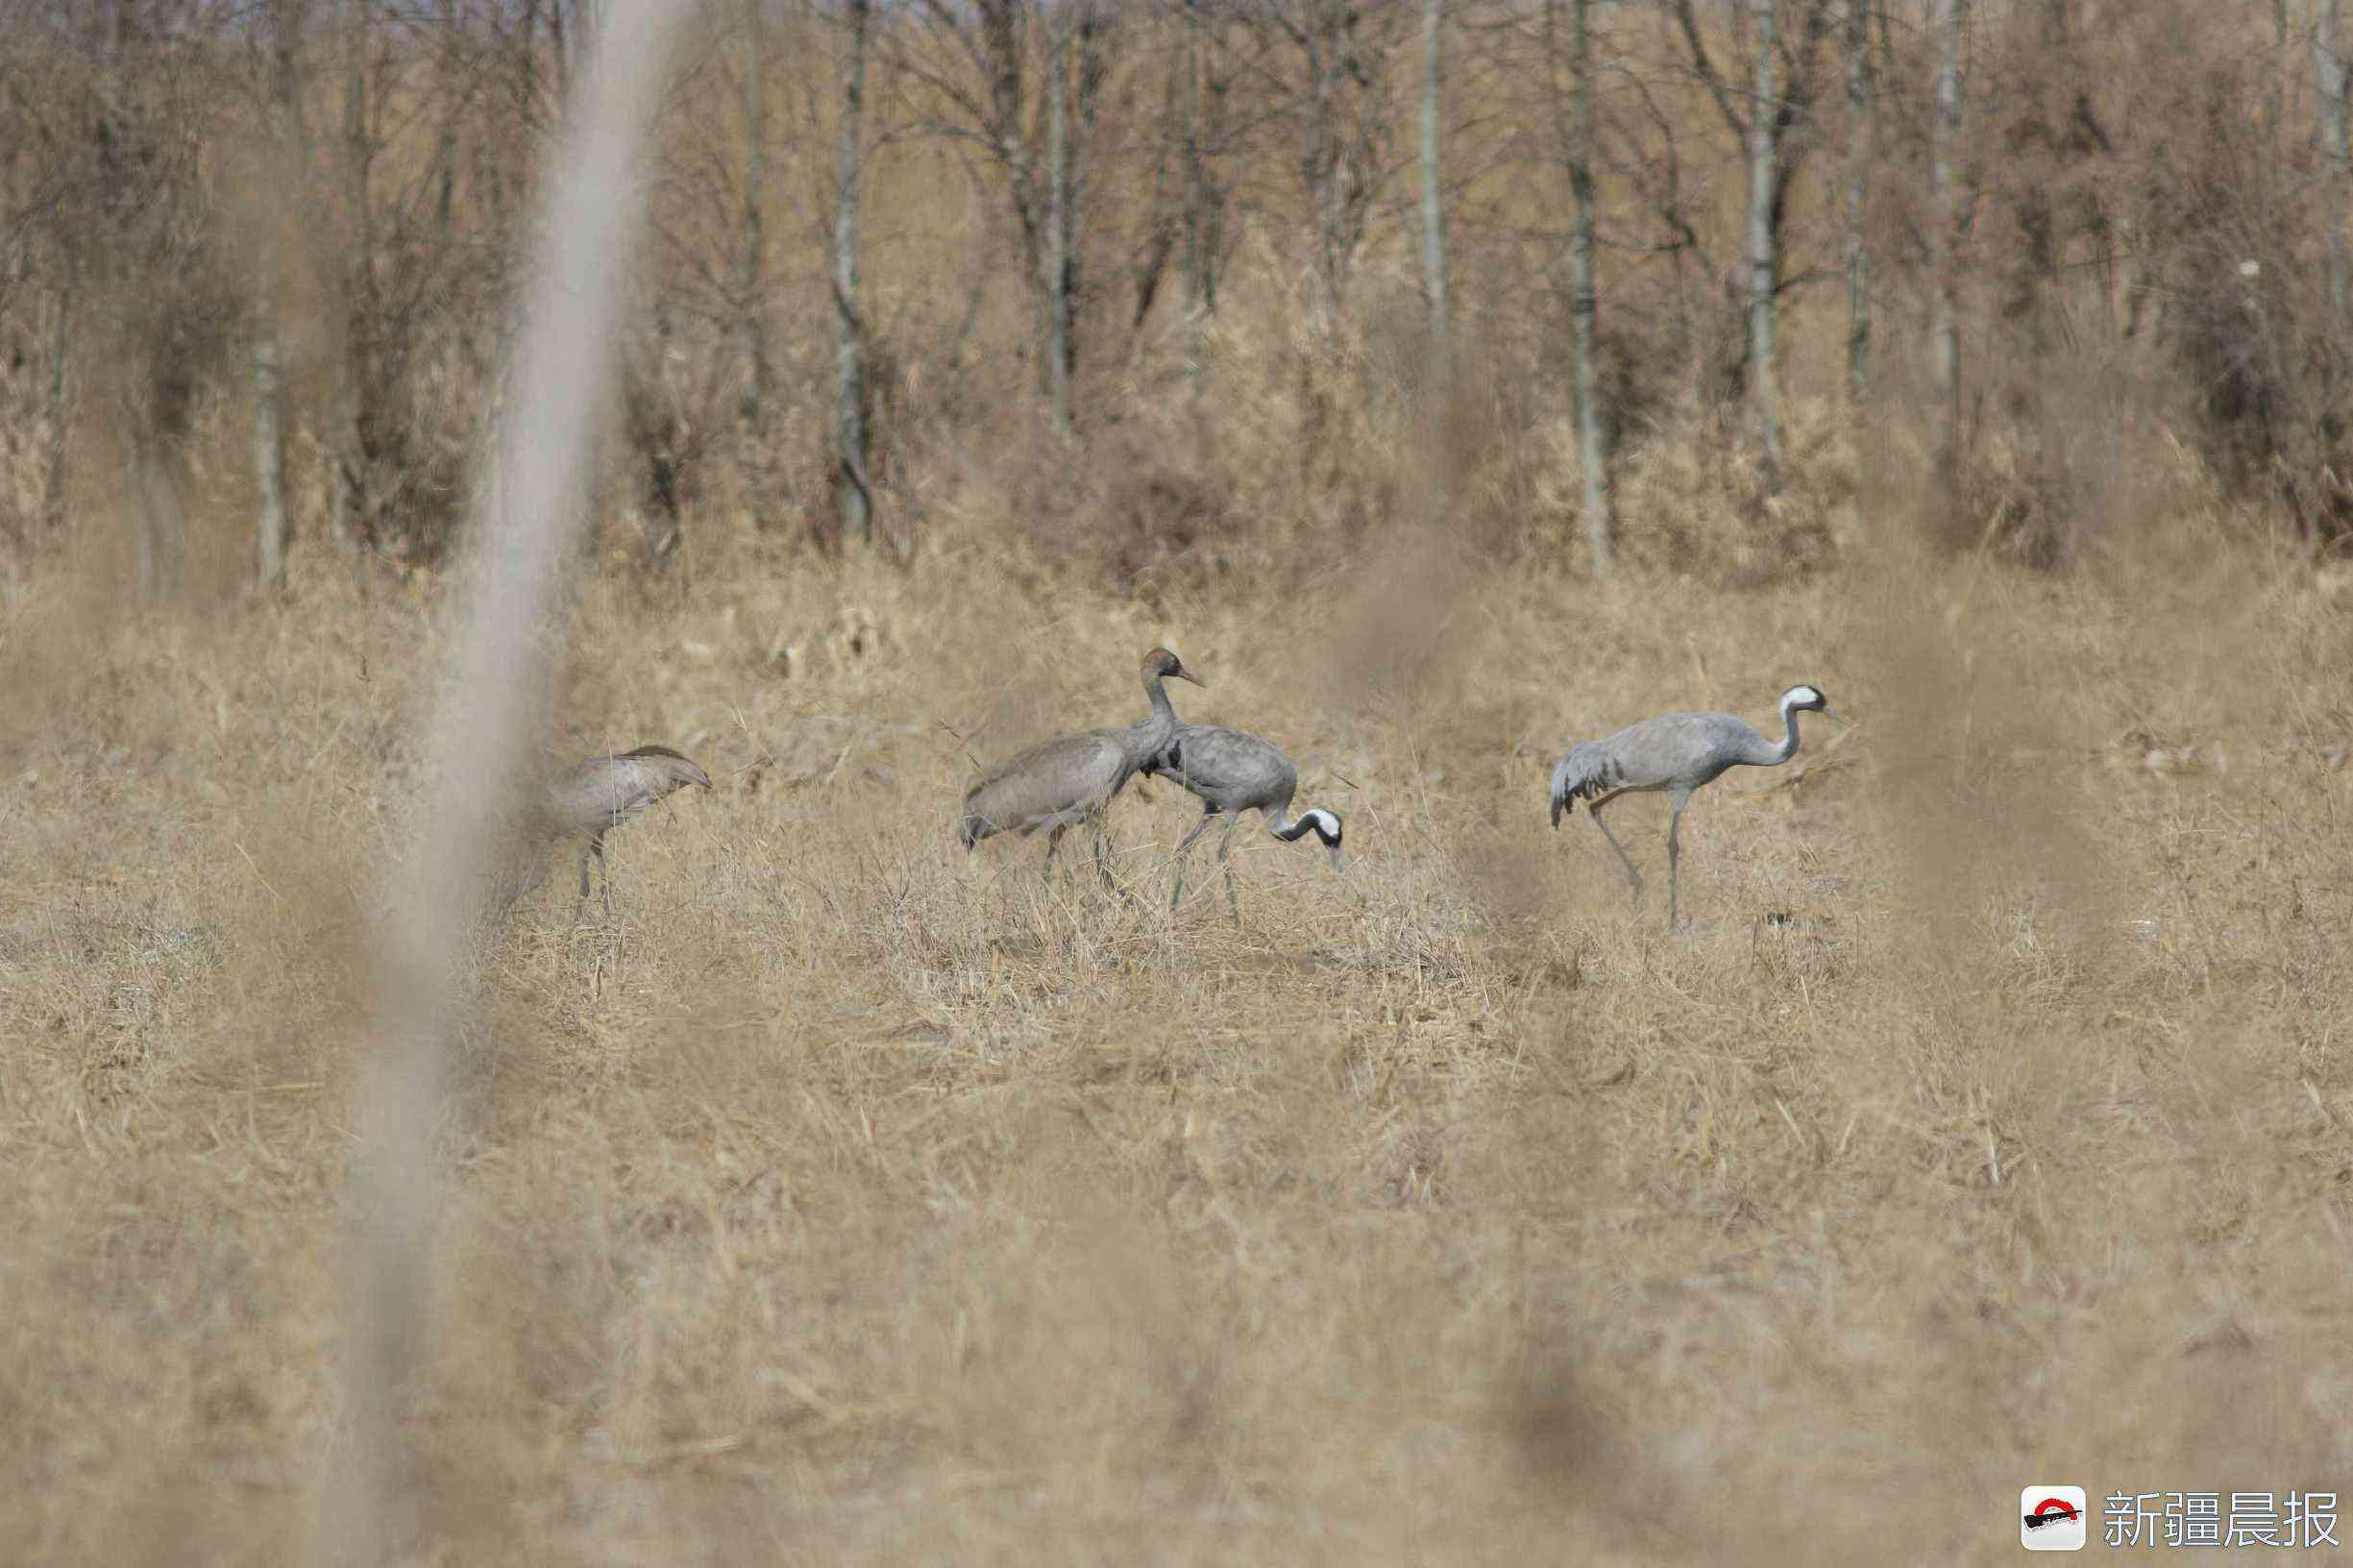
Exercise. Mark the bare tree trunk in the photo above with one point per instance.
(1575, 135)
(1858, 197)
(1764, 164)
(61, 340)
(1324, 160)
(2279, 77)
(2329, 83)
(348, 501)
(1200, 285)
(856, 504)
(1432, 191)
(280, 172)
(1058, 283)
(751, 328)
(269, 453)
(1944, 334)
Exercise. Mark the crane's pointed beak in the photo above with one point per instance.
(1828, 713)
(1183, 673)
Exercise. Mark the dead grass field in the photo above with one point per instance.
(849, 1200)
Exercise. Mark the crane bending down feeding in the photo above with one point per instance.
(1233, 772)
(1677, 752)
(1072, 778)
(589, 799)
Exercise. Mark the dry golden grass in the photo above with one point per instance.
(851, 1200)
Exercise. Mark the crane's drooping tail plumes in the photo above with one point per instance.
(1587, 770)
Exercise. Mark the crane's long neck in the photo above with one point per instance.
(1788, 747)
(1317, 820)
(1325, 826)
(1159, 727)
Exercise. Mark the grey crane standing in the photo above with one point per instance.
(1072, 778)
(1677, 752)
(1233, 772)
(592, 797)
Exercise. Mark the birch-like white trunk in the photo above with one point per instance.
(1764, 166)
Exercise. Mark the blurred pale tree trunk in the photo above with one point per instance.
(751, 303)
(1859, 152)
(1944, 238)
(854, 497)
(1433, 171)
(1573, 130)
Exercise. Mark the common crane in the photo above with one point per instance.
(1072, 778)
(1233, 772)
(1677, 752)
(589, 799)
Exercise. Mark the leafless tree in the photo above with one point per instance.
(753, 306)
(988, 42)
(853, 495)
(1779, 93)
(1860, 126)
(1944, 237)
(1433, 168)
(1202, 97)
(1573, 132)
(279, 169)
(1336, 102)
(2329, 85)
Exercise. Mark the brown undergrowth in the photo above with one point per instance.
(851, 1199)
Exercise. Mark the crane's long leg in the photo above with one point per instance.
(1225, 842)
(605, 873)
(1053, 842)
(1624, 859)
(1102, 860)
(586, 850)
(534, 872)
(1183, 847)
(1675, 825)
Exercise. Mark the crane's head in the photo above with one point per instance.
(1805, 700)
(1161, 663)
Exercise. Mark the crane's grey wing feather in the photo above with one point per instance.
(594, 795)
(1062, 778)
